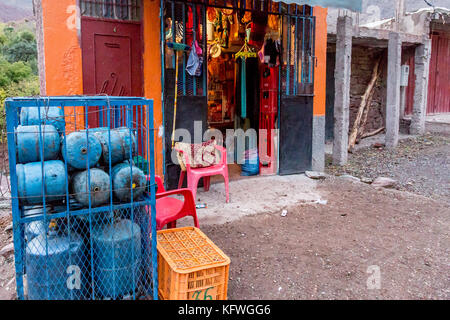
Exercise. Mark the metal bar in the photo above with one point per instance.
(296, 57)
(163, 77)
(90, 203)
(205, 57)
(41, 154)
(288, 67)
(183, 12)
(11, 123)
(194, 37)
(303, 50)
(153, 202)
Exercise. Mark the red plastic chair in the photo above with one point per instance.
(195, 174)
(169, 210)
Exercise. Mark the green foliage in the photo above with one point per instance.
(19, 47)
(18, 64)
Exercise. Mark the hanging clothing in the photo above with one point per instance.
(271, 53)
(195, 61)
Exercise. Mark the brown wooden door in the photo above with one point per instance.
(112, 59)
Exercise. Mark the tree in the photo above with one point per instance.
(20, 47)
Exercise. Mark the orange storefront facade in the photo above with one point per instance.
(132, 39)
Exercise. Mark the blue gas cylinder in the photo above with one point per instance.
(98, 190)
(56, 267)
(49, 115)
(27, 143)
(35, 228)
(123, 144)
(117, 252)
(29, 182)
(83, 150)
(126, 179)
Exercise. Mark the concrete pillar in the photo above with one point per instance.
(318, 144)
(342, 75)
(421, 72)
(393, 90)
(37, 7)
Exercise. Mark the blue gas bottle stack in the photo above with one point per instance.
(74, 171)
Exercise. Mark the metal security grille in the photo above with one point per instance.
(298, 40)
(185, 23)
(299, 29)
(128, 10)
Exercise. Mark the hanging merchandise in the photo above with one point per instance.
(234, 30)
(271, 52)
(229, 10)
(215, 50)
(244, 89)
(273, 22)
(178, 48)
(261, 54)
(195, 61)
(212, 14)
(245, 53)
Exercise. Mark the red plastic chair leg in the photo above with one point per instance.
(225, 176)
(180, 182)
(195, 221)
(172, 225)
(192, 185)
(206, 183)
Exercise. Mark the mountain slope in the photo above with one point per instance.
(15, 11)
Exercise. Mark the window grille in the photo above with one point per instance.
(128, 10)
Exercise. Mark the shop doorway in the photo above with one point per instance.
(252, 69)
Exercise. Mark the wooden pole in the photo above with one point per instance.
(366, 100)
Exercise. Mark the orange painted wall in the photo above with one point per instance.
(320, 74)
(152, 71)
(63, 67)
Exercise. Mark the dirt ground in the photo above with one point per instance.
(330, 250)
(324, 251)
(419, 164)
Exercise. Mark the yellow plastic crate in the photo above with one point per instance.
(190, 266)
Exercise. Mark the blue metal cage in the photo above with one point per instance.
(84, 218)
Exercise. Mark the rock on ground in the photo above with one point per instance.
(383, 182)
(7, 250)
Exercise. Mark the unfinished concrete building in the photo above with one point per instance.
(399, 72)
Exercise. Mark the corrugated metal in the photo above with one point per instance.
(439, 83)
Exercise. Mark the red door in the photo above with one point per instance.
(439, 82)
(112, 59)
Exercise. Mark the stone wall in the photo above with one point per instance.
(363, 62)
